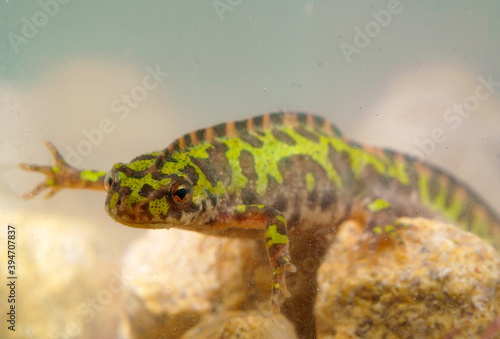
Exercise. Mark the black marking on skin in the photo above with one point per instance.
(200, 134)
(187, 140)
(220, 130)
(318, 121)
(284, 137)
(306, 134)
(452, 185)
(434, 185)
(257, 121)
(145, 190)
(373, 176)
(336, 130)
(327, 201)
(410, 161)
(294, 220)
(124, 191)
(247, 164)
(241, 126)
(175, 145)
(281, 204)
(270, 213)
(130, 172)
(341, 164)
(397, 158)
(204, 166)
(148, 156)
(160, 192)
(157, 175)
(272, 185)
(302, 118)
(131, 216)
(412, 172)
(274, 249)
(250, 139)
(219, 164)
(163, 157)
(190, 171)
(311, 198)
(249, 197)
(175, 211)
(466, 216)
(277, 119)
(117, 208)
(213, 198)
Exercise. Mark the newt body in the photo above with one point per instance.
(274, 175)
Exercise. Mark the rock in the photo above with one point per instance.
(442, 281)
(176, 277)
(242, 325)
(63, 287)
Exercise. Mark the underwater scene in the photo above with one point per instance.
(249, 169)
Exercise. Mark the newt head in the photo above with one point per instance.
(159, 191)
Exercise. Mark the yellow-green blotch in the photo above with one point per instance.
(360, 159)
(141, 165)
(136, 184)
(183, 159)
(378, 205)
(310, 182)
(274, 237)
(158, 206)
(439, 204)
(267, 157)
(423, 189)
(89, 175)
(113, 200)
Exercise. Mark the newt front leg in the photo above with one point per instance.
(62, 175)
(276, 245)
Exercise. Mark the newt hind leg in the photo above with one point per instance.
(381, 224)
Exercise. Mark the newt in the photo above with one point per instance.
(269, 175)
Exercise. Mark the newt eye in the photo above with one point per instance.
(181, 193)
(108, 181)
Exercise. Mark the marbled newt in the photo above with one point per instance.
(267, 175)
